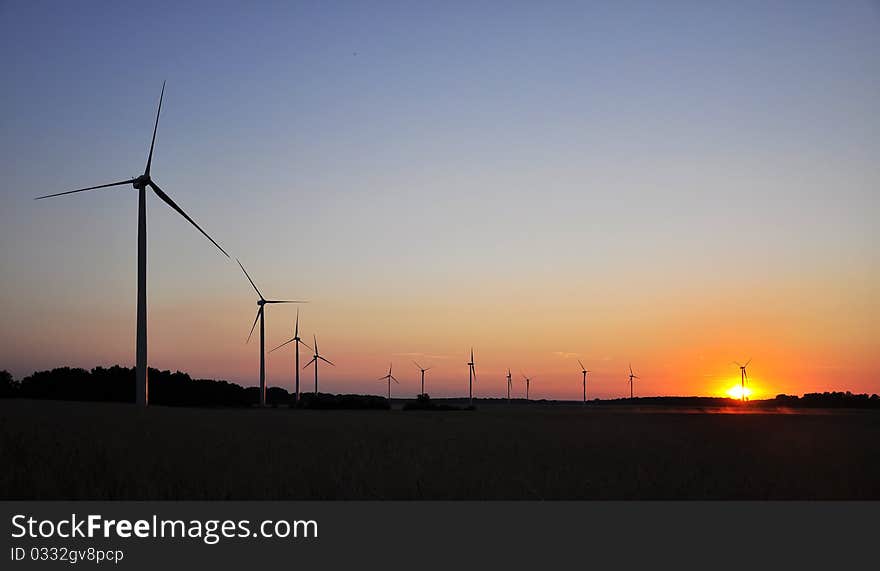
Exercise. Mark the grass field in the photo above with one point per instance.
(72, 450)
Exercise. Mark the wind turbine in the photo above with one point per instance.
(509, 384)
(472, 374)
(389, 377)
(742, 379)
(140, 183)
(584, 371)
(631, 377)
(298, 342)
(315, 361)
(261, 313)
(422, 369)
(528, 382)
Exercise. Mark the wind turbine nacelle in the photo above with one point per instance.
(141, 182)
(261, 302)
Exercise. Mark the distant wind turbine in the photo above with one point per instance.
(584, 371)
(261, 313)
(389, 377)
(422, 369)
(631, 377)
(743, 375)
(472, 374)
(297, 342)
(509, 384)
(140, 184)
(528, 383)
(314, 360)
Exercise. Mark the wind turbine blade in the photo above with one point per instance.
(630, 368)
(581, 364)
(315, 341)
(745, 374)
(296, 327)
(385, 378)
(393, 378)
(120, 183)
(417, 365)
(304, 344)
(161, 194)
(428, 369)
(283, 344)
(254, 326)
(285, 301)
(325, 360)
(155, 128)
(310, 362)
(249, 278)
(747, 363)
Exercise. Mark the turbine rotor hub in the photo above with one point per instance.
(141, 181)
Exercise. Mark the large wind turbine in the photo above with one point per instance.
(528, 382)
(389, 377)
(315, 361)
(261, 313)
(631, 377)
(422, 369)
(742, 379)
(584, 371)
(509, 384)
(472, 374)
(140, 184)
(297, 342)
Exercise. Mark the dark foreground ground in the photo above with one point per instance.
(75, 450)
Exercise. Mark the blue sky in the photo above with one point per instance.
(379, 158)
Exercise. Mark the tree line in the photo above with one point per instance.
(117, 384)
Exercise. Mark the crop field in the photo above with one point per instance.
(78, 450)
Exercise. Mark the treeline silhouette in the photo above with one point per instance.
(117, 384)
(830, 400)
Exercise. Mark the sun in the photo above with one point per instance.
(737, 392)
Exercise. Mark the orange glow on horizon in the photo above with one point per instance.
(737, 392)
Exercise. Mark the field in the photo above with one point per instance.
(74, 450)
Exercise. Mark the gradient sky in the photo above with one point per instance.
(678, 187)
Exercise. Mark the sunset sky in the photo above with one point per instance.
(675, 187)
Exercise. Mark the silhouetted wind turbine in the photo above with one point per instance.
(509, 384)
(261, 313)
(584, 371)
(141, 183)
(742, 379)
(528, 383)
(315, 361)
(631, 377)
(389, 377)
(472, 374)
(422, 369)
(295, 339)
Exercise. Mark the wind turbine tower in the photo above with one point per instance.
(389, 377)
(297, 341)
(422, 369)
(584, 371)
(140, 184)
(743, 375)
(261, 314)
(631, 377)
(472, 374)
(317, 356)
